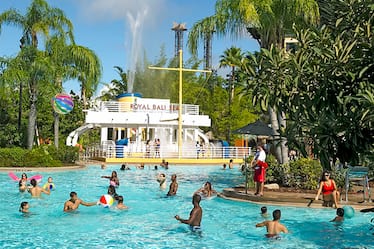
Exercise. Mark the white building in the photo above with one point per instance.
(128, 123)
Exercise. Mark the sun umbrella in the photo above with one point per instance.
(257, 128)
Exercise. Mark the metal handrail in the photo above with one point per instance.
(120, 151)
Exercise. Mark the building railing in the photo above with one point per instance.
(120, 151)
(116, 106)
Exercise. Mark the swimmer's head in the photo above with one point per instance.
(340, 212)
(33, 182)
(114, 173)
(276, 214)
(50, 179)
(24, 205)
(24, 176)
(208, 185)
(111, 190)
(73, 195)
(120, 199)
(173, 177)
(264, 210)
(196, 199)
(103, 166)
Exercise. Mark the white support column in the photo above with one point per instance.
(104, 134)
(119, 133)
(138, 139)
(171, 135)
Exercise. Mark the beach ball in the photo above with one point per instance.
(349, 212)
(106, 200)
(49, 186)
(62, 103)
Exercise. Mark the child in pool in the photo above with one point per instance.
(264, 211)
(120, 204)
(22, 184)
(113, 179)
(49, 184)
(112, 192)
(24, 207)
(339, 215)
(161, 178)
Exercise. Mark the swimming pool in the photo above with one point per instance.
(150, 223)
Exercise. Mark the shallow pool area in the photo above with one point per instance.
(150, 223)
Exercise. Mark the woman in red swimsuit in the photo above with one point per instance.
(328, 188)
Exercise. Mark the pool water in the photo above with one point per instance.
(150, 223)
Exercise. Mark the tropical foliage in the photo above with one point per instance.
(38, 71)
(268, 22)
(325, 88)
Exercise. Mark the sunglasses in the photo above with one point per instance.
(327, 174)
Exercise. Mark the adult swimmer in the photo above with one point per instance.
(196, 215)
(74, 202)
(273, 227)
(37, 191)
(206, 190)
(173, 188)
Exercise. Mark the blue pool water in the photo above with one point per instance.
(150, 223)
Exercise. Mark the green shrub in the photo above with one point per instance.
(339, 177)
(12, 157)
(305, 173)
(68, 154)
(42, 156)
(271, 171)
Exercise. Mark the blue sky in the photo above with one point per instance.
(105, 26)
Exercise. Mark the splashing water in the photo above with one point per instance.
(135, 21)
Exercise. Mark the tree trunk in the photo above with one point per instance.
(56, 126)
(20, 107)
(275, 126)
(83, 96)
(32, 116)
(283, 140)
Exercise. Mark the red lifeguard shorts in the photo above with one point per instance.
(259, 175)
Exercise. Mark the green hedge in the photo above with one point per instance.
(42, 156)
(303, 173)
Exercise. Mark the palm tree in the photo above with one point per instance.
(39, 20)
(268, 21)
(72, 62)
(231, 58)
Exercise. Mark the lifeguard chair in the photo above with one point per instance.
(358, 175)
